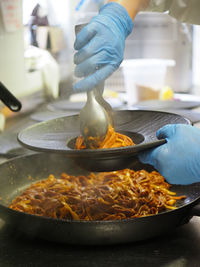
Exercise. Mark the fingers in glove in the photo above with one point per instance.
(166, 131)
(152, 156)
(146, 156)
(93, 80)
(84, 36)
(91, 65)
(93, 47)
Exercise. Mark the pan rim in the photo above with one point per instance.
(192, 203)
(196, 200)
(100, 151)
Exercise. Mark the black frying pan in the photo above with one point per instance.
(58, 136)
(15, 176)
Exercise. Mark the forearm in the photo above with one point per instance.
(132, 6)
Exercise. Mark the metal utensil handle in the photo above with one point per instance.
(9, 99)
(79, 27)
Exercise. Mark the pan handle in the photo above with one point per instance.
(9, 99)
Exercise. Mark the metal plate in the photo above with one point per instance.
(50, 115)
(64, 104)
(168, 104)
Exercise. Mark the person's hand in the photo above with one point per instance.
(179, 159)
(100, 46)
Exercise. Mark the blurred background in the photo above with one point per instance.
(162, 55)
(160, 71)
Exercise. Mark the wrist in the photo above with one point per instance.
(132, 6)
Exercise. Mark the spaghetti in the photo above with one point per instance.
(113, 195)
(112, 139)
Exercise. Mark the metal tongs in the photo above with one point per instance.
(9, 99)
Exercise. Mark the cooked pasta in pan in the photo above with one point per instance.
(113, 195)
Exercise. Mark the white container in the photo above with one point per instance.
(148, 73)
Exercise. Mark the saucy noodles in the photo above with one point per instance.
(112, 139)
(104, 196)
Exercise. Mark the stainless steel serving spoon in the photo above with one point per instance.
(94, 119)
(98, 91)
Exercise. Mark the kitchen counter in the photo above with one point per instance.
(180, 248)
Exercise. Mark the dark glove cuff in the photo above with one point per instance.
(120, 17)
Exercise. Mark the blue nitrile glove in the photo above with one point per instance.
(179, 159)
(101, 45)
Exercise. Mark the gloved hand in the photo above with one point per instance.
(101, 45)
(179, 159)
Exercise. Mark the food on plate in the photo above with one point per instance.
(112, 195)
(112, 139)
